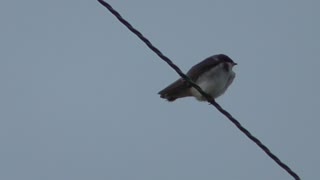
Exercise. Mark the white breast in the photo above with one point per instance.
(214, 82)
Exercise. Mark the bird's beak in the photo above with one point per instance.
(234, 64)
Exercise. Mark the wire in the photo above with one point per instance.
(207, 96)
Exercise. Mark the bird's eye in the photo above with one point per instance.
(226, 67)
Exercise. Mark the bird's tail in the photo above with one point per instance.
(177, 89)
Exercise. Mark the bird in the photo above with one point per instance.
(213, 75)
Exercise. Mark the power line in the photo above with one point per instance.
(207, 96)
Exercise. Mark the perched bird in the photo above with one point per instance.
(214, 75)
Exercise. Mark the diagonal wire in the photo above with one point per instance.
(207, 96)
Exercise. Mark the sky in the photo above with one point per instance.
(78, 96)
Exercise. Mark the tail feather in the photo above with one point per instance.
(177, 89)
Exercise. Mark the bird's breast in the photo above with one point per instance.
(214, 82)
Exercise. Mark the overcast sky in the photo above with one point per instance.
(78, 96)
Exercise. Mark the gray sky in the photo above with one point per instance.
(78, 97)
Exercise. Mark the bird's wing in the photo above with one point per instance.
(193, 74)
(202, 67)
(174, 87)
